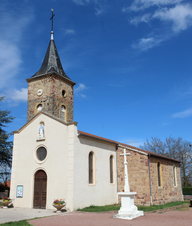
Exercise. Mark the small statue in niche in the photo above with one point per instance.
(41, 131)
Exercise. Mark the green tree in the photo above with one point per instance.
(174, 148)
(5, 144)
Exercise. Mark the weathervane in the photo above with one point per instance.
(52, 18)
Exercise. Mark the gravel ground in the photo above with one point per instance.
(170, 218)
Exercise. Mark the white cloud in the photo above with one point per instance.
(135, 143)
(12, 27)
(183, 114)
(79, 89)
(138, 19)
(81, 2)
(180, 16)
(19, 95)
(147, 43)
(69, 31)
(98, 11)
(138, 5)
(174, 18)
(10, 61)
(82, 95)
(99, 7)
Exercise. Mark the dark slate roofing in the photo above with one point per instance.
(51, 62)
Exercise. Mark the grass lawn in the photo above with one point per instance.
(17, 223)
(144, 208)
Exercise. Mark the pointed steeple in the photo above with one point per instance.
(51, 62)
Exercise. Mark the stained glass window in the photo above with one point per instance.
(41, 153)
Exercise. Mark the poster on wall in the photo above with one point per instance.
(19, 191)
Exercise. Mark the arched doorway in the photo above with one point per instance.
(40, 190)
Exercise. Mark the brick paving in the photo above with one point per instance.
(170, 218)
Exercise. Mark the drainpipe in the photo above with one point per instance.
(150, 180)
(117, 169)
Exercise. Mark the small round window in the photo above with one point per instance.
(41, 153)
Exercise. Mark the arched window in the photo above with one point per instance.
(111, 168)
(62, 113)
(159, 173)
(174, 176)
(91, 168)
(39, 108)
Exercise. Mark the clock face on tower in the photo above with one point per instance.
(39, 92)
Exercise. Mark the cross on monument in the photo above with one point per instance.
(126, 186)
(52, 18)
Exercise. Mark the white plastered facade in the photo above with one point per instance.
(66, 165)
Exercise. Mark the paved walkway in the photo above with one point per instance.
(17, 214)
(170, 218)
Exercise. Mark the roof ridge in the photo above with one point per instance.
(129, 146)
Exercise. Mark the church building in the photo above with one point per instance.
(52, 159)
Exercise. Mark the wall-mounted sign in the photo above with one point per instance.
(19, 191)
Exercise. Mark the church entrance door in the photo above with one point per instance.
(40, 190)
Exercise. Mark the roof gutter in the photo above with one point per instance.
(81, 134)
(163, 157)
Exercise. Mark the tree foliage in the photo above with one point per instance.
(174, 148)
(5, 144)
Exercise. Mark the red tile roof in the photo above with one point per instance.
(126, 145)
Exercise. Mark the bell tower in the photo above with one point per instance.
(50, 89)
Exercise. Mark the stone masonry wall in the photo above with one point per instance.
(167, 192)
(52, 86)
(138, 175)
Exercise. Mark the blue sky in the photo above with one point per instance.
(131, 61)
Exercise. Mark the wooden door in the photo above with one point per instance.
(40, 190)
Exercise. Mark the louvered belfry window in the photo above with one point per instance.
(91, 168)
(111, 169)
(63, 113)
(159, 174)
(41, 153)
(39, 108)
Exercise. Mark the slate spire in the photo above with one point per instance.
(51, 62)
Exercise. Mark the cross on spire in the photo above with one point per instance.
(52, 18)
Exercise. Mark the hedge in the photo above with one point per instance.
(187, 191)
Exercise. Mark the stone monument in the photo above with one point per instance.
(128, 210)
